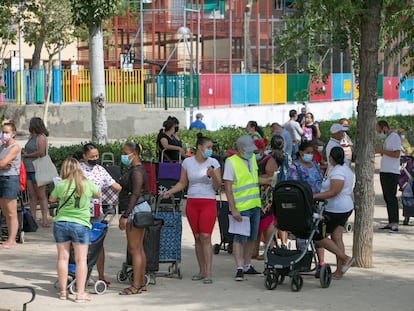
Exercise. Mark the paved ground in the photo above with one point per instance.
(387, 286)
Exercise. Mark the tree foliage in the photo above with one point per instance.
(9, 19)
(91, 13)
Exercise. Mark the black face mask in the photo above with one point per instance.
(176, 129)
(92, 162)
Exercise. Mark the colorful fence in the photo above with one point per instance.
(209, 90)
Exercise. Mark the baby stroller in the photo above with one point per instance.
(295, 212)
(406, 184)
(98, 234)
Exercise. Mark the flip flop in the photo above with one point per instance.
(6, 246)
(207, 281)
(45, 225)
(132, 290)
(197, 277)
(80, 298)
(346, 267)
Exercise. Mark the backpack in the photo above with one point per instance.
(22, 177)
(283, 167)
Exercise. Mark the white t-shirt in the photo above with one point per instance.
(388, 164)
(342, 202)
(294, 129)
(229, 170)
(199, 184)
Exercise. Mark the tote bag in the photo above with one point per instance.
(45, 170)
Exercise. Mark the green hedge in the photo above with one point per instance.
(224, 139)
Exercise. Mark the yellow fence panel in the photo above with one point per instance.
(273, 89)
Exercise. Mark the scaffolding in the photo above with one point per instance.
(221, 42)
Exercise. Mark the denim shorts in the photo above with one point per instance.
(31, 176)
(66, 231)
(9, 187)
(254, 215)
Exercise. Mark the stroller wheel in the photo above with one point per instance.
(216, 249)
(271, 279)
(230, 248)
(100, 287)
(72, 287)
(280, 279)
(296, 283)
(349, 227)
(325, 276)
(121, 276)
(180, 276)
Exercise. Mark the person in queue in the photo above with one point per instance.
(296, 131)
(100, 177)
(72, 225)
(168, 147)
(241, 180)
(389, 172)
(346, 141)
(9, 181)
(337, 190)
(337, 133)
(266, 168)
(277, 129)
(133, 184)
(36, 147)
(202, 174)
(254, 130)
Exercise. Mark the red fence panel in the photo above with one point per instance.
(321, 91)
(215, 90)
(391, 90)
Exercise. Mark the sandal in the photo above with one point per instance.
(348, 265)
(106, 282)
(132, 290)
(63, 295)
(208, 281)
(197, 277)
(84, 297)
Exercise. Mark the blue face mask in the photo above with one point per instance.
(307, 157)
(125, 159)
(382, 135)
(320, 148)
(247, 155)
(258, 156)
(207, 153)
(402, 137)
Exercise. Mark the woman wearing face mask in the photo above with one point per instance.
(101, 178)
(311, 130)
(267, 167)
(167, 142)
(9, 181)
(318, 156)
(202, 174)
(35, 148)
(133, 184)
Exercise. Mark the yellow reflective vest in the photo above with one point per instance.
(246, 191)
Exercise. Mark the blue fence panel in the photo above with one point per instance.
(57, 86)
(245, 89)
(10, 79)
(174, 88)
(342, 86)
(407, 89)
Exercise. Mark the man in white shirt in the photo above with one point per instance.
(337, 132)
(295, 130)
(389, 172)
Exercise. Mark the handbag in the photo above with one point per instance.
(45, 170)
(29, 223)
(142, 216)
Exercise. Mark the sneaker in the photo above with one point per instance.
(393, 229)
(385, 228)
(239, 275)
(252, 270)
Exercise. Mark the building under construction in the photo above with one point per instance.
(217, 41)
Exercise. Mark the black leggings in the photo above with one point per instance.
(389, 184)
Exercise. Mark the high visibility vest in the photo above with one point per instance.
(246, 191)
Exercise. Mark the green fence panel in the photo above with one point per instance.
(164, 91)
(298, 87)
(380, 85)
(187, 86)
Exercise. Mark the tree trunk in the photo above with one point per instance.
(367, 106)
(37, 53)
(48, 88)
(247, 44)
(96, 61)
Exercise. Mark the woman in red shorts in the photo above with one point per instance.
(202, 174)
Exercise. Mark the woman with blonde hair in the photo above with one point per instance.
(72, 225)
(9, 181)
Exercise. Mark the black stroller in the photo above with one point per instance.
(297, 213)
(98, 234)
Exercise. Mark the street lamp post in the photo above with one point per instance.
(20, 57)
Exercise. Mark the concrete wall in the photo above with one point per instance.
(74, 120)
